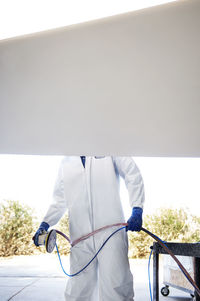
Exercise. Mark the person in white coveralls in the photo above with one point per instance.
(88, 187)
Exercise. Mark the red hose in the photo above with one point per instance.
(187, 275)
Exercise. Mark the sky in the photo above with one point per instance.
(169, 182)
(19, 17)
(30, 179)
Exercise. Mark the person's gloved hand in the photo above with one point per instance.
(43, 227)
(135, 221)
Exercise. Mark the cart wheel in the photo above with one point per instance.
(165, 291)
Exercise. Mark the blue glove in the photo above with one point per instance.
(43, 227)
(135, 221)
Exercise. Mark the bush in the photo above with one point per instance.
(175, 225)
(16, 229)
(18, 225)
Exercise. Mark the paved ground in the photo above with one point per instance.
(40, 278)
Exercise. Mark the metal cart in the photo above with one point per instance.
(171, 275)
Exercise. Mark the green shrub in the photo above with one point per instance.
(16, 229)
(175, 225)
(18, 225)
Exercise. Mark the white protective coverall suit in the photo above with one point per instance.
(92, 197)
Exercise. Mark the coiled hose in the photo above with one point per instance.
(123, 226)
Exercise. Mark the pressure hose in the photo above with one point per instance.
(187, 275)
(123, 226)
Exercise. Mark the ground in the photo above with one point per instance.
(40, 278)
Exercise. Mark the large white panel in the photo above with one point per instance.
(126, 85)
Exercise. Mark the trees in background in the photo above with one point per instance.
(18, 225)
(172, 225)
(16, 229)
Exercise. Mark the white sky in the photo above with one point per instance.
(30, 179)
(168, 181)
(19, 17)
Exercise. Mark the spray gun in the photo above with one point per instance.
(47, 239)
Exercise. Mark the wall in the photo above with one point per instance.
(125, 85)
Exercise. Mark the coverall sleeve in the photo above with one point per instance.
(59, 204)
(128, 170)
